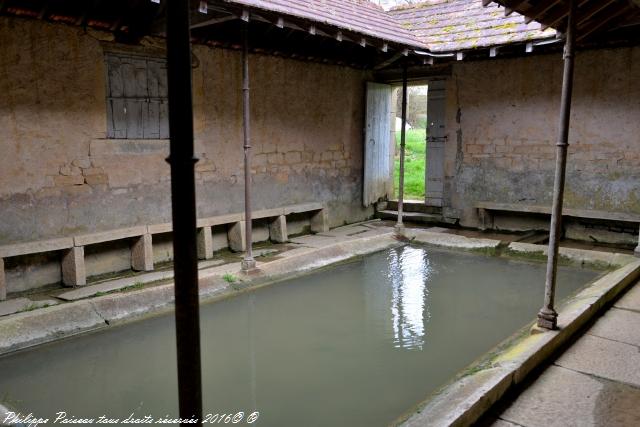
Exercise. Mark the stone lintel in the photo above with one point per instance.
(219, 220)
(39, 246)
(267, 213)
(167, 227)
(142, 253)
(109, 236)
(306, 207)
(73, 269)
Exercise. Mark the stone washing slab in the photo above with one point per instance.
(631, 300)
(451, 241)
(18, 305)
(548, 402)
(580, 256)
(604, 358)
(618, 325)
(206, 268)
(14, 306)
(114, 285)
(34, 327)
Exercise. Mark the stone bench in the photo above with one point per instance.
(73, 260)
(486, 218)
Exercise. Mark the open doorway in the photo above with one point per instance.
(415, 146)
(424, 154)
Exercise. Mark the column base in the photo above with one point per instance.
(548, 319)
(247, 265)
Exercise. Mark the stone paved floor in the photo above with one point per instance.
(595, 382)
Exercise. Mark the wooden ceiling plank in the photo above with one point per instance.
(602, 22)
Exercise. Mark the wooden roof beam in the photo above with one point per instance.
(559, 15)
(537, 11)
(601, 22)
(512, 7)
(596, 8)
(214, 21)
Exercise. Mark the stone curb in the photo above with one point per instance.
(577, 256)
(31, 328)
(453, 241)
(464, 401)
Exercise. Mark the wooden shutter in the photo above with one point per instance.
(137, 97)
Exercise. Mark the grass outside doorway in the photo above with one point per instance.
(414, 164)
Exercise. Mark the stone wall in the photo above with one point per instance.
(60, 176)
(502, 118)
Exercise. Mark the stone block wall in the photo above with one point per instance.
(502, 117)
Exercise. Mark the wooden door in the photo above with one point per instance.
(436, 139)
(378, 178)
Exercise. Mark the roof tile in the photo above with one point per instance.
(453, 25)
(359, 16)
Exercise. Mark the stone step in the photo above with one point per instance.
(420, 217)
(412, 206)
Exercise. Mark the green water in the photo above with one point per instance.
(355, 345)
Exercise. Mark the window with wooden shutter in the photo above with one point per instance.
(137, 106)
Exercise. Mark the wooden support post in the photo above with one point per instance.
(3, 282)
(73, 269)
(205, 243)
(237, 237)
(278, 230)
(183, 210)
(403, 131)
(548, 317)
(142, 253)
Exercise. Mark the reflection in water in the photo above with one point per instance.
(409, 271)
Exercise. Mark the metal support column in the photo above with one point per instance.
(248, 263)
(183, 206)
(403, 130)
(547, 317)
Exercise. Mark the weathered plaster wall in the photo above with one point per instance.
(502, 119)
(60, 176)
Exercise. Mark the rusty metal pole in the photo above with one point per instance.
(183, 206)
(548, 317)
(248, 263)
(403, 130)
